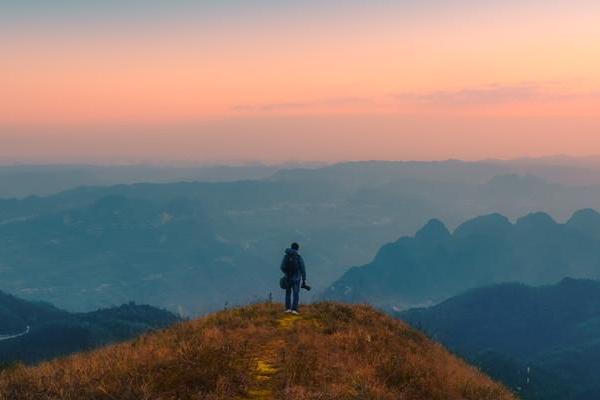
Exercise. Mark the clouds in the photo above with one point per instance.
(497, 94)
(490, 97)
(295, 106)
(484, 95)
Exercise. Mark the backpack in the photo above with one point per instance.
(291, 264)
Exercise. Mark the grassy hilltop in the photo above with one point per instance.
(331, 351)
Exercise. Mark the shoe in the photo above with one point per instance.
(288, 311)
(295, 312)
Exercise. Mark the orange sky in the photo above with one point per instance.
(407, 81)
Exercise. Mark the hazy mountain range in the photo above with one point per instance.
(506, 329)
(40, 180)
(436, 264)
(193, 246)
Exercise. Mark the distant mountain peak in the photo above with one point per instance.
(586, 220)
(434, 265)
(537, 220)
(487, 224)
(434, 230)
(577, 282)
(586, 213)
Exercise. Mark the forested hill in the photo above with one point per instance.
(31, 331)
(544, 340)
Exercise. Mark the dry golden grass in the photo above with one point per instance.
(332, 351)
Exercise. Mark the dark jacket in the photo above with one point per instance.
(301, 273)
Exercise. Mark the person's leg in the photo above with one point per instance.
(296, 289)
(288, 297)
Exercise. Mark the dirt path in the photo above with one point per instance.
(267, 362)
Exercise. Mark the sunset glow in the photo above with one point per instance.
(177, 81)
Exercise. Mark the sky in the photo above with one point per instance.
(276, 81)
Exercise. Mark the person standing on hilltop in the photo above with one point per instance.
(294, 269)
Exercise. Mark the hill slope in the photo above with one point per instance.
(436, 264)
(329, 352)
(32, 331)
(554, 330)
(16, 314)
